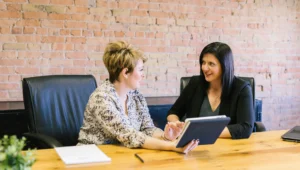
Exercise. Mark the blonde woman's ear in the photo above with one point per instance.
(124, 73)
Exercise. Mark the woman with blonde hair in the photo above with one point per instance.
(117, 112)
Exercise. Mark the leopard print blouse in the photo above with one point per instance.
(105, 121)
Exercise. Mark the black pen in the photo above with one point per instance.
(136, 155)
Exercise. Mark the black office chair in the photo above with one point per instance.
(258, 126)
(55, 106)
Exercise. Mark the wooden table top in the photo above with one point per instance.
(264, 150)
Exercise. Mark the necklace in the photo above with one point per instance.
(215, 98)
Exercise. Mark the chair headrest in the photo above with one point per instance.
(55, 104)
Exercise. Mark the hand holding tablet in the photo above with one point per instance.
(206, 129)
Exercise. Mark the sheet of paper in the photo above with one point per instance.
(81, 154)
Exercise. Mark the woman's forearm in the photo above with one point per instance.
(153, 143)
(158, 144)
(158, 134)
(172, 118)
(225, 133)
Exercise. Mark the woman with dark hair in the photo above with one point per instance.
(217, 92)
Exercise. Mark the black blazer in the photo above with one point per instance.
(238, 105)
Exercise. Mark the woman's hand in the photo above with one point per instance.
(187, 148)
(173, 130)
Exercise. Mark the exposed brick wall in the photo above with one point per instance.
(41, 37)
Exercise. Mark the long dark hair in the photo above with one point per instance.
(224, 54)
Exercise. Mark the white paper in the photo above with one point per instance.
(81, 154)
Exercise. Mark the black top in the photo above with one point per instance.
(238, 105)
(206, 108)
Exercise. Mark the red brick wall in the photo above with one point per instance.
(41, 37)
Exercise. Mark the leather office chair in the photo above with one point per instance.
(54, 106)
(258, 126)
(159, 113)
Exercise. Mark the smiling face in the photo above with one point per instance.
(211, 68)
(134, 78)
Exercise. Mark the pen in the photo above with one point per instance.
(136, 155)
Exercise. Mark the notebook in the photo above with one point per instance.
(81, 154)
(206, 129)
(292, 135)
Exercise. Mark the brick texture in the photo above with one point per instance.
(41, 37)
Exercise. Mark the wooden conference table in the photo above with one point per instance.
(264, 150)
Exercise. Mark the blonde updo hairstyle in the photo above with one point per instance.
(119, 55)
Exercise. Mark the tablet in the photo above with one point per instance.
(292, 135)
(206, 129)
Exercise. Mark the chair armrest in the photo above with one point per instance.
(259, 126)
(42, 141)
